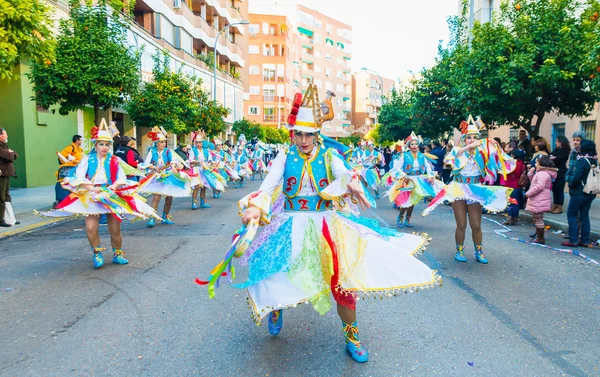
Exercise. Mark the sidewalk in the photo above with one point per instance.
(24, 202)
(560, 221)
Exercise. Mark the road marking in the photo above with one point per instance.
(31, 227)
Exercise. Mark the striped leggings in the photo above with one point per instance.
(538, 219)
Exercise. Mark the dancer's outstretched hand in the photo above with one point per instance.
(357, 191)
(251, 213)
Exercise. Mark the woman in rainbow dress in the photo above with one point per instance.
(411, 180)
(316, 245)
(166, 176)
(98, 186)
(476, 164)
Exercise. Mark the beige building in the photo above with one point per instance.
(553, 124)
(320, 52)
(273, 75)
(367, 92)
(188, 29)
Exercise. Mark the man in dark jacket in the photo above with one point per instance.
(438, 152)
(580, 202)
(525, 144)
(7, 170)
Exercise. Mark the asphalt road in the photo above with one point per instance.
(530, 312)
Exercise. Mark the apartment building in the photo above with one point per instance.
(186, 30)
(367, 92)
(553, 124)
(273, 69)
(320, 52)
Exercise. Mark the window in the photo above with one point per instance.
(339, 88)
(269, 72)
(339, 74)
(318, 84)
(328, 85)
(319, 24)
(254, 49)
(317, 53)
(514, 134)
(318, 69)
(253, 110)
(269, 95)
(269, 113)
(317, 38)
(255, 90)
(558, 129)
(327, 72)
(329, 29)
(254, 70)
(305, 18)
(327, 57)
(253, 29)
(589, 127)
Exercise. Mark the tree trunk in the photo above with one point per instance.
(96, 115)
(538, 124)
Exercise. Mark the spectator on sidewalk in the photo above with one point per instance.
(130, 155)
(438, 152)
(560, 156)
(512, 181)
(183, 152)
(447, 171)
(541, 149)
(68, 159)
(578, 137)
(539, 194)
(580, 202)
(7, 170)
(525, 144)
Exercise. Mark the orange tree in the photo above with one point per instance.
(175, 102)
(535, 57)
(248, 128)
(94, 64)
(24, 33)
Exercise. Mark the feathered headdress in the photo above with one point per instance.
(101, 133)
(157, 134)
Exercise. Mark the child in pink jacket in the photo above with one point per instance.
(539, 195)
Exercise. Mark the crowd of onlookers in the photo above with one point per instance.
(542, 174)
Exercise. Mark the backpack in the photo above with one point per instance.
(592, 186)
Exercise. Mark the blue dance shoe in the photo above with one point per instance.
(353, 345)
(118, 257)
(460, 254)
(275, 321)
(194, 204)
(167, 219)
(203, 204)
(150, 223)
(479, 254)
(98, 257)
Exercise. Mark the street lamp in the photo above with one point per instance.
(244, 22)
(381, 88)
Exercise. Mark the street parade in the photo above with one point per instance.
(258, 188)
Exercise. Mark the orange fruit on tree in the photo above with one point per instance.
(518, 7)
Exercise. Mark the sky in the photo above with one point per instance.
(391, 37)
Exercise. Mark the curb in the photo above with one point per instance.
(557, 224)
(31, 227)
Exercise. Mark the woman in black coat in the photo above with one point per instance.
(560, 156)
(580, 202)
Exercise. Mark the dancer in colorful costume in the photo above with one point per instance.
(242, 164)
(99, 185)
(365, 168)
(413, 180)
(205, 166)
(374, 158)
(256, 161)
(166, 176)
(311, 249)
(474, 162)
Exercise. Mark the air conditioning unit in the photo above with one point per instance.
(177, 4)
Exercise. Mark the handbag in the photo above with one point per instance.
(524, 179)
(592, 184)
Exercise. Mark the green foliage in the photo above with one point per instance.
(93, 65)
(176, 102)
(273, 135)
(24, 34)
(395, 117)
(536, 57)
(249, 128)
(349, 140)
(208, 59)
